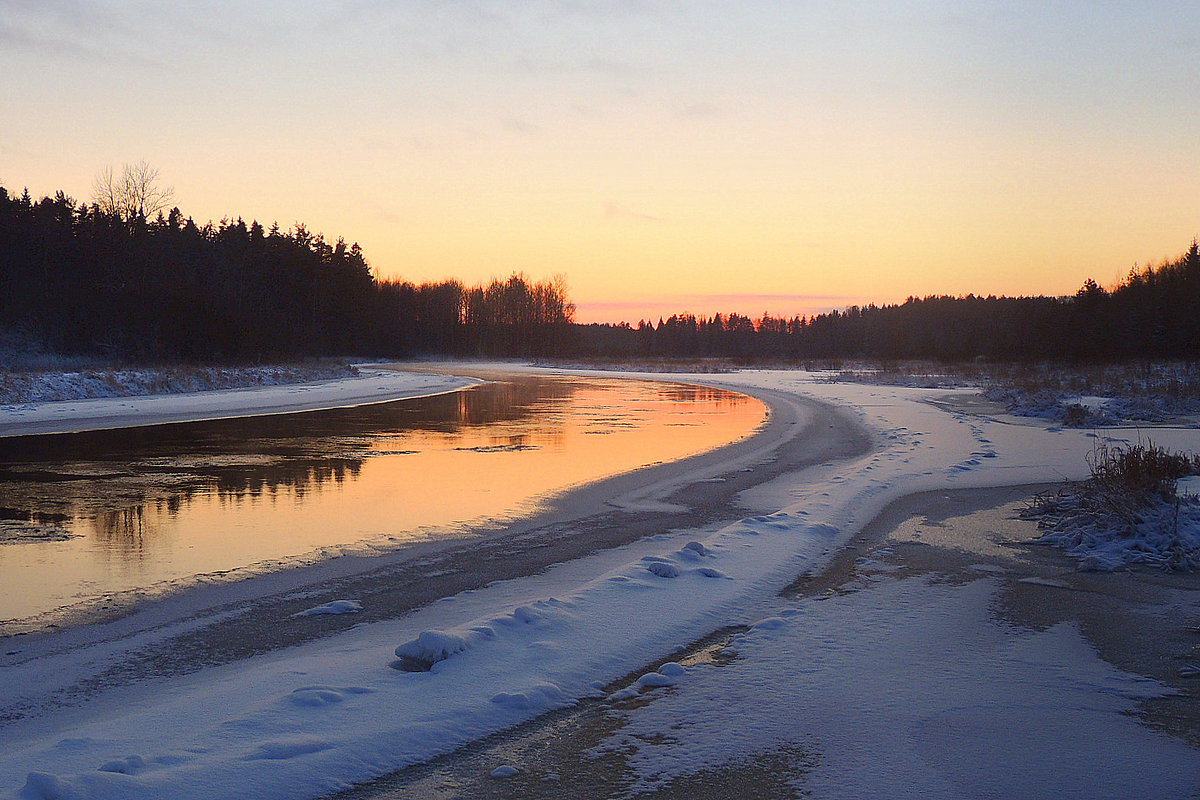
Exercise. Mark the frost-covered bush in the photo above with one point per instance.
(1128, 512)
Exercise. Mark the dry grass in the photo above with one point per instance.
(1127, 512)
(1138, 471)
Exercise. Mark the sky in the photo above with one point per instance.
(781, 157)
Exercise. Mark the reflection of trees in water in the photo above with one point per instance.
(685, 393)
(131, 530)
(299, 476)
(159, 470)
(125, 532)
(312, 434)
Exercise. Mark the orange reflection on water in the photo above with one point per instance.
(382, 478)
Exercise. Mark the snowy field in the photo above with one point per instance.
(1009, 713)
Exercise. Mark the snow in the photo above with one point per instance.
(912, 689)
(1161, 532)
(903, 687)
(332, 607)
(1188, 487)
(368, 386)
(49, 386)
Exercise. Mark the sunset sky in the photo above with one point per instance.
(787, 157)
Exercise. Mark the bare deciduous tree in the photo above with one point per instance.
(136, 194)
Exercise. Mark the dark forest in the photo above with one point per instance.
(89, 280)
(80, 279)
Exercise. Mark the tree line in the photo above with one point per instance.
(122, 279)
(1153, 313)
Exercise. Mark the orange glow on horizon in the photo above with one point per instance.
(649, 152)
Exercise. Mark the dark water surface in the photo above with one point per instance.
(87, 515)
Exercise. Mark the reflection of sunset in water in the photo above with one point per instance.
(164, 504)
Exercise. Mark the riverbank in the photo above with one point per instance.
(930, 558)
(106, 413)
(310, 719)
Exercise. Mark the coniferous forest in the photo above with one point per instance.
(81, 279)
(104, 280)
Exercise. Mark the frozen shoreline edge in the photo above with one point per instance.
(112, 413)
(622, 491)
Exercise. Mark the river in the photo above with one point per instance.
(90, 518)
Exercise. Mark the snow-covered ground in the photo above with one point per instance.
(45, 386)
(96, 413)
(312, 719)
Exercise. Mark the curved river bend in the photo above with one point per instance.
(86, 516)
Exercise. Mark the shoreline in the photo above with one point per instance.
(226, 622)
(570, 629)
(375, 385)
(1126, 617)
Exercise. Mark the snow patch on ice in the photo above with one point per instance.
(430, 647)
(669, 674)
(332, 607)
(539, 697)
(1034, 580)
(319, 696)
(663, 569)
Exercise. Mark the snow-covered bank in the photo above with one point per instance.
(309, 720)
(368, 386)
(1081, 395)
(48, 386)
(910, 688)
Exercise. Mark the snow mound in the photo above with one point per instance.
(98, 784)
(318, 696)
(130, 765)
(288, 747)
(669, 674)
(332, 607)
(662, 569)
(44, 786)
(432, 647)
(428, 648)
(690, 553)
(541, 696)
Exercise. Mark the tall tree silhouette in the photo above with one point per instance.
(135, 194)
